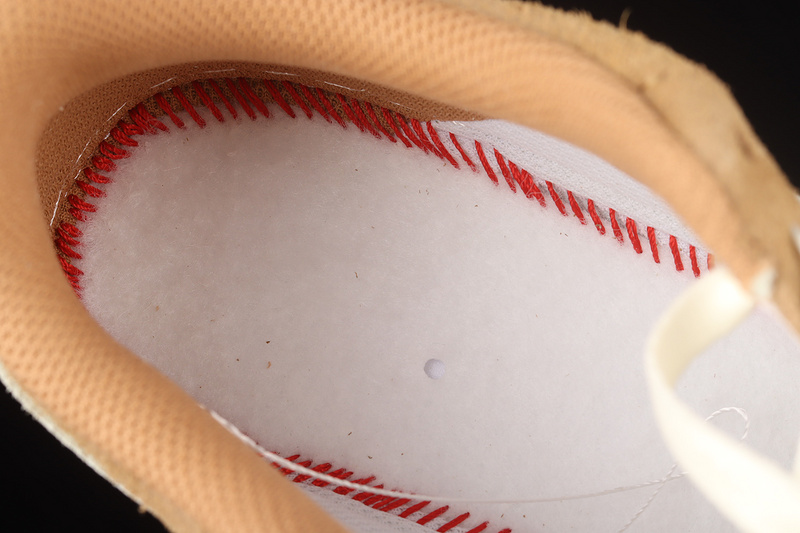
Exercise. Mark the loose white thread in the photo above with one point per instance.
(424, 497)
(281, 73)
(80, 156)
(109, 119)
(737, 410)
(344, 87)
(162, 83)
(648, 502)
(114, 114)
(58, 201)
(397, 494)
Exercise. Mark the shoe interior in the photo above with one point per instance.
(447, 307)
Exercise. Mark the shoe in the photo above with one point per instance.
(425, 370)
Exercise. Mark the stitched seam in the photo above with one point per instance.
(146, 119)
(422, 512)
(385, 124)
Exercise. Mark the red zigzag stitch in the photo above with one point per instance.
(393, 126)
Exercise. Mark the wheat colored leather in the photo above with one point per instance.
(558, 73)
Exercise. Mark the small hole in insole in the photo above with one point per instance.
(434, 368)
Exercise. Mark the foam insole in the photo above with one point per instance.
(360, 303)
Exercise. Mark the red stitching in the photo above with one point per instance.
(410, 133)
(377, 123)
(305, 464)
(362, 481)
(378, 501)
(321, 468)
(485, 163)
(651, 236)
(176, 91)
(393, 124)
(65, 249)
(122, 138)
(417, 127)
(464, 155)
(432, 515)
(79, 203)
(93, 176)
(253, 97)
(339, 474)
(349, 112)
(145, 122)
(615, 226)
(240, 98)
(103, 163)
(111, 151)
(329, 106)
(75, 286)
(693, 258)
(278, 98)
(504, 170)
(556, 198)
(69, 268)
(363, 118)
(90, 189)
(362, 496)
(207, 101)
(676, 252)
(453, 523)
(70, 230)
(391, 506)
(413, 509)
(67, 236)
(437, 142)
(388, 503)
(130, 129)
(287, 471)
(296, 97)
(598, 223)
(526, 183)
(314, 102)
(345, 490)
(369, 498)
(576, 208)
(633, 234)
(221, 95)
(164, 105)
(142, 118)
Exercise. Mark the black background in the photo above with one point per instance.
(752, 47)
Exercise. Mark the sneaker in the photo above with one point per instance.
(395, 278)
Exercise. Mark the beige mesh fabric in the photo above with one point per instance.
(661, 119)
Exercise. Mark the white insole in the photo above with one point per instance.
(298, 279)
